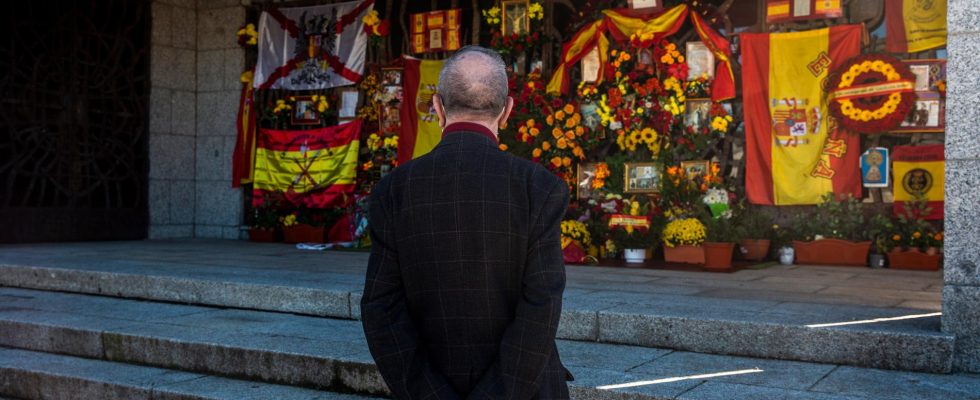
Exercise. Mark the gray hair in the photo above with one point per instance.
(473, 82)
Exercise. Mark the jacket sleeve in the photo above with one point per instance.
(391, 336)
(528, 342)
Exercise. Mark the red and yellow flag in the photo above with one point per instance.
(420, 131)
(919, 171)
(793, 155)
(914, 25)
(244, 154)
(314, 168)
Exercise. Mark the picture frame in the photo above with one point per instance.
(695, 168)
(590, 65)
(646, 5)
(304, 111)
(389, 118)
(875, 168)
(514, 17)
(928, 115)
(700, 60)
(642, 177)
(391, 76)
(928, 73)
(347, 107)
(584, 175)
(697, 113)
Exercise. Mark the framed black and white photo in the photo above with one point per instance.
(642, 177)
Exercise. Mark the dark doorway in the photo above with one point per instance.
(74, 96)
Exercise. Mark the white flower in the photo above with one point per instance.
(715, 196)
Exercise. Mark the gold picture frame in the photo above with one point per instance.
(695, 167)
(514, 17)
(642, 177)
(584, 175)
(304, 111)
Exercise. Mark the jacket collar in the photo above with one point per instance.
(471, 128)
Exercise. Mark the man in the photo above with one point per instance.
(465, 279)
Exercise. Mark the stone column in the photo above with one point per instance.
(219, 64)
(961, 294)
(173, 53)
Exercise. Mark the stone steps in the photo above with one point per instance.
(92, 341)
(783, 330)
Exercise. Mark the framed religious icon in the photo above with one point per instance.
(930, 75)
(927, 115)
(875, 170)
(585, 179)
(779, 11)
(347, 109)
(700, 61)
(515, 17)
(695, 168)
(391, 76)
(390, 118)
(642, 178)
(305, 112)
(696, 115)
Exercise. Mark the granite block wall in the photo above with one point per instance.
(961, 293)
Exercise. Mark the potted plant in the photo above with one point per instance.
(756, 228)
(912, 239)
(263, 221)
(682, 239)
(832, 232)
(575, 240)
(878, 228)
(719, 243)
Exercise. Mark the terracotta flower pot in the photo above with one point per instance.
(684, 254)
(261, 235)
(907, 259)
(754, 249)
(832, 252)
(302, 233)
(718, 256)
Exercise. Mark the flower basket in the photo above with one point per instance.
(261, 235)
(832, 252)
(718, 256)
(302, 233)
(913, 259)
(684, 254)
(754, 249)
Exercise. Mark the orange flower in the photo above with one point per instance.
(579, 130)
(938, 236)
(556, 133)
(560, 114)
(896, 237)
(569, 108)
(522, 129)
(545, 145)
(503, 147)
(535, 132)
(570, 135)
(570, 122)
(525, 137)
(562, 144)
(916, 235)
(530, 123)
(550, 120)
(579, 153)
(536, 153)
(556, 161)
(566, 161)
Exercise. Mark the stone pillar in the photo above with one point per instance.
(173, 54)
(961, 294)
(219, 64)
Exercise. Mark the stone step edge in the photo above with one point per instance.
(27, 382)
(875, 349)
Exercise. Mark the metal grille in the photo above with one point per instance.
(74, 78)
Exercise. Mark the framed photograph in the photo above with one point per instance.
(515, 17)
(584, 177)
(305, 112)
(389, 94)
(700, 60)
(590, 65)
(391, 76)
(642, 178)
(928, 114)
(928, 74)
(696, 115)
(390, 118)
(695, 168)
(348, 104)
(875, 170)
(645, 4)
(590, 114)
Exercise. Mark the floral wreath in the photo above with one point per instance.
(871, 93)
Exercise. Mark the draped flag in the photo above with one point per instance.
(314, 168)
(244, 154)
(420, 131)
(919, 171)
(621, 24)
(914, 25)
(308, 48)
(793, 154)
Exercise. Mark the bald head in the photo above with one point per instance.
(473, 84)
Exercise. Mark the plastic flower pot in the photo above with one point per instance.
(635, 256)
(754, 249)
(718, 256)
(684, 254)
(832, 252)
(914, 259)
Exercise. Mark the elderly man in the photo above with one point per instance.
(465, 280)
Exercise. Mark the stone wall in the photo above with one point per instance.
(196, 63)
(961, 294)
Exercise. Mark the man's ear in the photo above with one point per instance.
(502, 120)
(440, 110)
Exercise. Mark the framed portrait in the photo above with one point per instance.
(389, 94)
(697, 113)
(642, 178)
(928, 74)
(305, 112)
(348, 104)
(515, 17)
(590, 65)
(584, 176)
(391, 76)
(695, 168)
(928, 114)
(390, 118)
(645, 4)
(700, 60)
(590, 114)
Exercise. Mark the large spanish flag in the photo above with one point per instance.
(420, 131)
(314, 168)
(792, 157)
(914, 25)
(919, 171)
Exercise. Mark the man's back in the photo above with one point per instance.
(471, 232)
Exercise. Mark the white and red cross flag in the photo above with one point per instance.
(308, 48)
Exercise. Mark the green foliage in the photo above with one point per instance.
(755, 224)
(722, 230)
(838, 218)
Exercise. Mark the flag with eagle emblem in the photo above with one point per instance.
(309, 48)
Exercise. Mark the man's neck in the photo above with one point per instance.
(490, 126)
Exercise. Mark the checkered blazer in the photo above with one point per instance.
(464, 284)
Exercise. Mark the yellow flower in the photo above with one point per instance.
(246, 77)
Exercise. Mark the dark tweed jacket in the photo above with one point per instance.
(465, 279)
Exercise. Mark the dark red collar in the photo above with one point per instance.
(469, 127)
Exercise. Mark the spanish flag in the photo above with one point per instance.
(914, 25)
(792, 155)
(314, 168)
(919, 171)
(420, 131)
